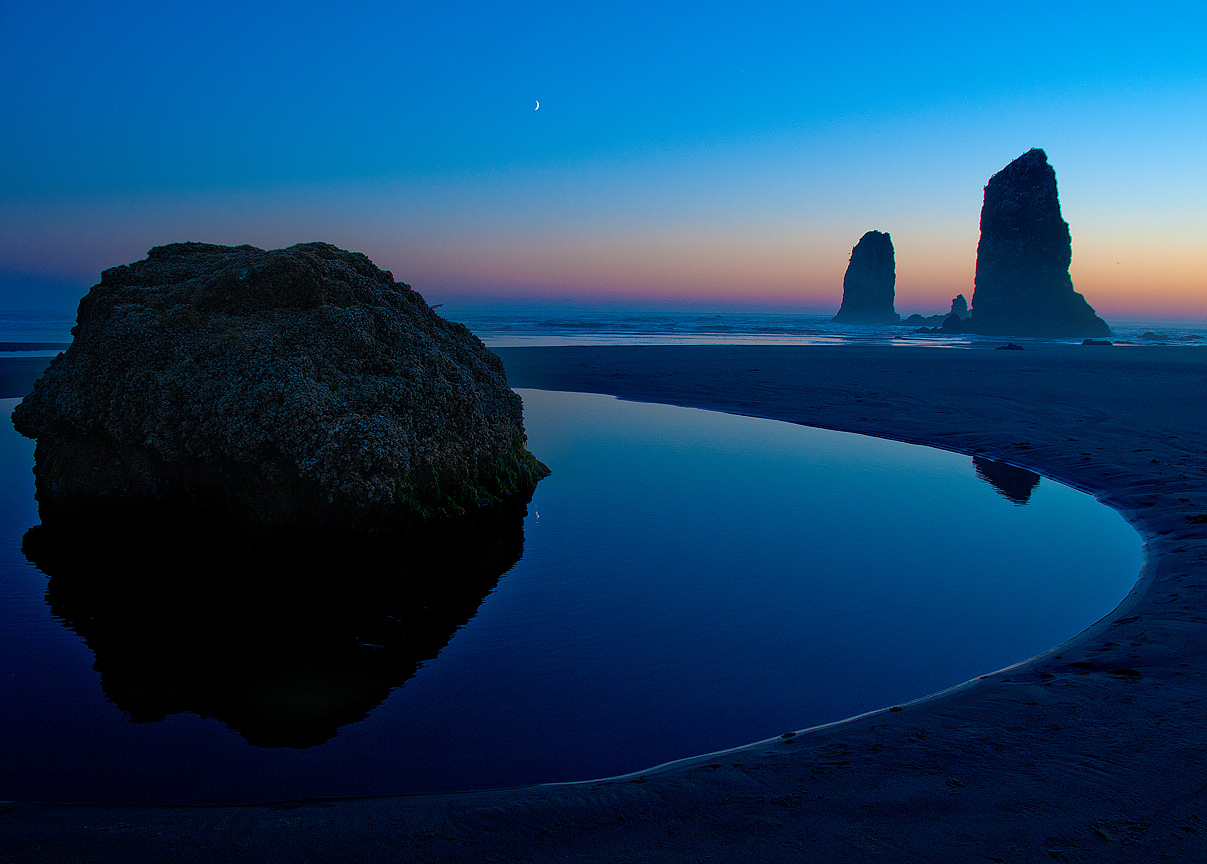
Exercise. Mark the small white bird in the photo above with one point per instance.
(538, 105)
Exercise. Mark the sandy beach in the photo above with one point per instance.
(1093, 752)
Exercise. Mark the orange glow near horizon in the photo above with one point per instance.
(739, 176)
(793, 264)
(769, 272)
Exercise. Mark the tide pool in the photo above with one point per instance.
(685, 581)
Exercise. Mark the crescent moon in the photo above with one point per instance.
(538, 105)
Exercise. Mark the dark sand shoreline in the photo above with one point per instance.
(1092, 752)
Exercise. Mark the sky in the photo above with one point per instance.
(686, 155)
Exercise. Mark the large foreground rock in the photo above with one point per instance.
(868, 288)
(1023, 287)
(299, 386)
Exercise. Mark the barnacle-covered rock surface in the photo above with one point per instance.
(299, 386)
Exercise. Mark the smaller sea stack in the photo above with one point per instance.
(1023, 287)
(869, 283)
(959, 307)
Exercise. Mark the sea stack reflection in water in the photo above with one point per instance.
(1014, 483)
(299, 386)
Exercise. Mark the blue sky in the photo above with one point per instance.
(685, 154)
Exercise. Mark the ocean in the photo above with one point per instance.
(518, 329)
(35, 334)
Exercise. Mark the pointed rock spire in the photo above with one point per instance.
(868, 286)
(1023, 287)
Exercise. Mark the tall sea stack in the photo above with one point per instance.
(867, 287)
(1023, 287)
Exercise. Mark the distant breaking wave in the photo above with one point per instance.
(527, 328)
(597, 327)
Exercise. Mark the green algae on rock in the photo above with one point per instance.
(293, 387)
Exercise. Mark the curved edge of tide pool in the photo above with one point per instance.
(782, 738)
(1135, 591)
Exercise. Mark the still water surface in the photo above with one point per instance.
(685, 581)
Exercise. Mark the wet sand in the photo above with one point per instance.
(1093, 752)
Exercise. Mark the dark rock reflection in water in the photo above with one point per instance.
(283, 637)
(1016, 484)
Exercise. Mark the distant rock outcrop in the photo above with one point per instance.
(958, 319)
(299, 386)
(959, 307)
(1023, 287)
(954, 321)
(868, 286)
